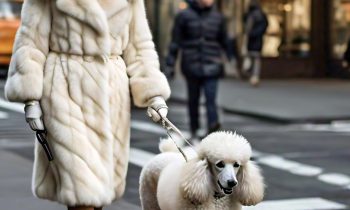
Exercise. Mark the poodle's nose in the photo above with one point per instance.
(232, 183)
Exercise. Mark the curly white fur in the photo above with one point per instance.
(169, 183)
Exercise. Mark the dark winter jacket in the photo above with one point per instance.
(200, 34)
(347, 53)
(256, 29)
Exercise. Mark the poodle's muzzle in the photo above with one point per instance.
(226, 178)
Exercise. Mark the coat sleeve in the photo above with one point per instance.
(347, 53)
(224, 41)
(176, 40)
(260, 24)
(146, 79)
(25, 76)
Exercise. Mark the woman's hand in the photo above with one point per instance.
(157, 109)
(33, 114)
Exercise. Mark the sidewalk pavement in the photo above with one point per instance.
(15, 189)
(287, 101)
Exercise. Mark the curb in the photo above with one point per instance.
(269, 118)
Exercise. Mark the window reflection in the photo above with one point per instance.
(340, 27)
(288, 33)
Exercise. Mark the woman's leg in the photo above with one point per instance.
(210, 90)
(255, 78)
(193, 91)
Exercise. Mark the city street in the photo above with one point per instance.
(306, 166)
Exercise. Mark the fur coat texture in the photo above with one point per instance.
(80, 58)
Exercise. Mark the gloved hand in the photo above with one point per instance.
(157, 109)
(33, 116)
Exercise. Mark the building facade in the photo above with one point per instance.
(305, 38)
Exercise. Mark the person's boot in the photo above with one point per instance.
(254, 81)
(214, 128)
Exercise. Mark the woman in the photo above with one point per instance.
(73, 63)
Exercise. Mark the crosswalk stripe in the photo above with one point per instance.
(335, 179)
(293, 167)
(298, 204)
(4, 115)
(139, 157)
(148, 127)
(16, 107)
(13, 144)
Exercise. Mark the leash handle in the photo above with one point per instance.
(41, 136)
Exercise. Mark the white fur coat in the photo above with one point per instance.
(80, 58)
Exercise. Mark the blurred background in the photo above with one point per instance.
(311, 35)
(297, 119)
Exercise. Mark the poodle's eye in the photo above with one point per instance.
(220, 164)
(236, 165)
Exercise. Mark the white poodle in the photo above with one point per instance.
(220, 177)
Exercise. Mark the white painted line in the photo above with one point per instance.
(4, 115)
(333, 127)
(335, 179)
(147, 127)
(152, 128)
(298, 204)
(293, 167)
(16, 107)
(139, 157)
(14, 144)
(307, 170)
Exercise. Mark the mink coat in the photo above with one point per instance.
(80, 58)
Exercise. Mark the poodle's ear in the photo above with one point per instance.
(196, 183)
(251, 187)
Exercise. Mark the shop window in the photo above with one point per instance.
(288, 34)
(340, 27)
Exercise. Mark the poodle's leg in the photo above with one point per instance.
(148, 190)
(149, 179)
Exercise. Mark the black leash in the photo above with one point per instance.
(41, 136)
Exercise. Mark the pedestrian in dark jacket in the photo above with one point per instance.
(256, 24)
(347, 56)
(200, 33)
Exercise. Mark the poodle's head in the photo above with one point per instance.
(225, 153)
(223, 166)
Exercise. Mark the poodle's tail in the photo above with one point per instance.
(167, 145)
